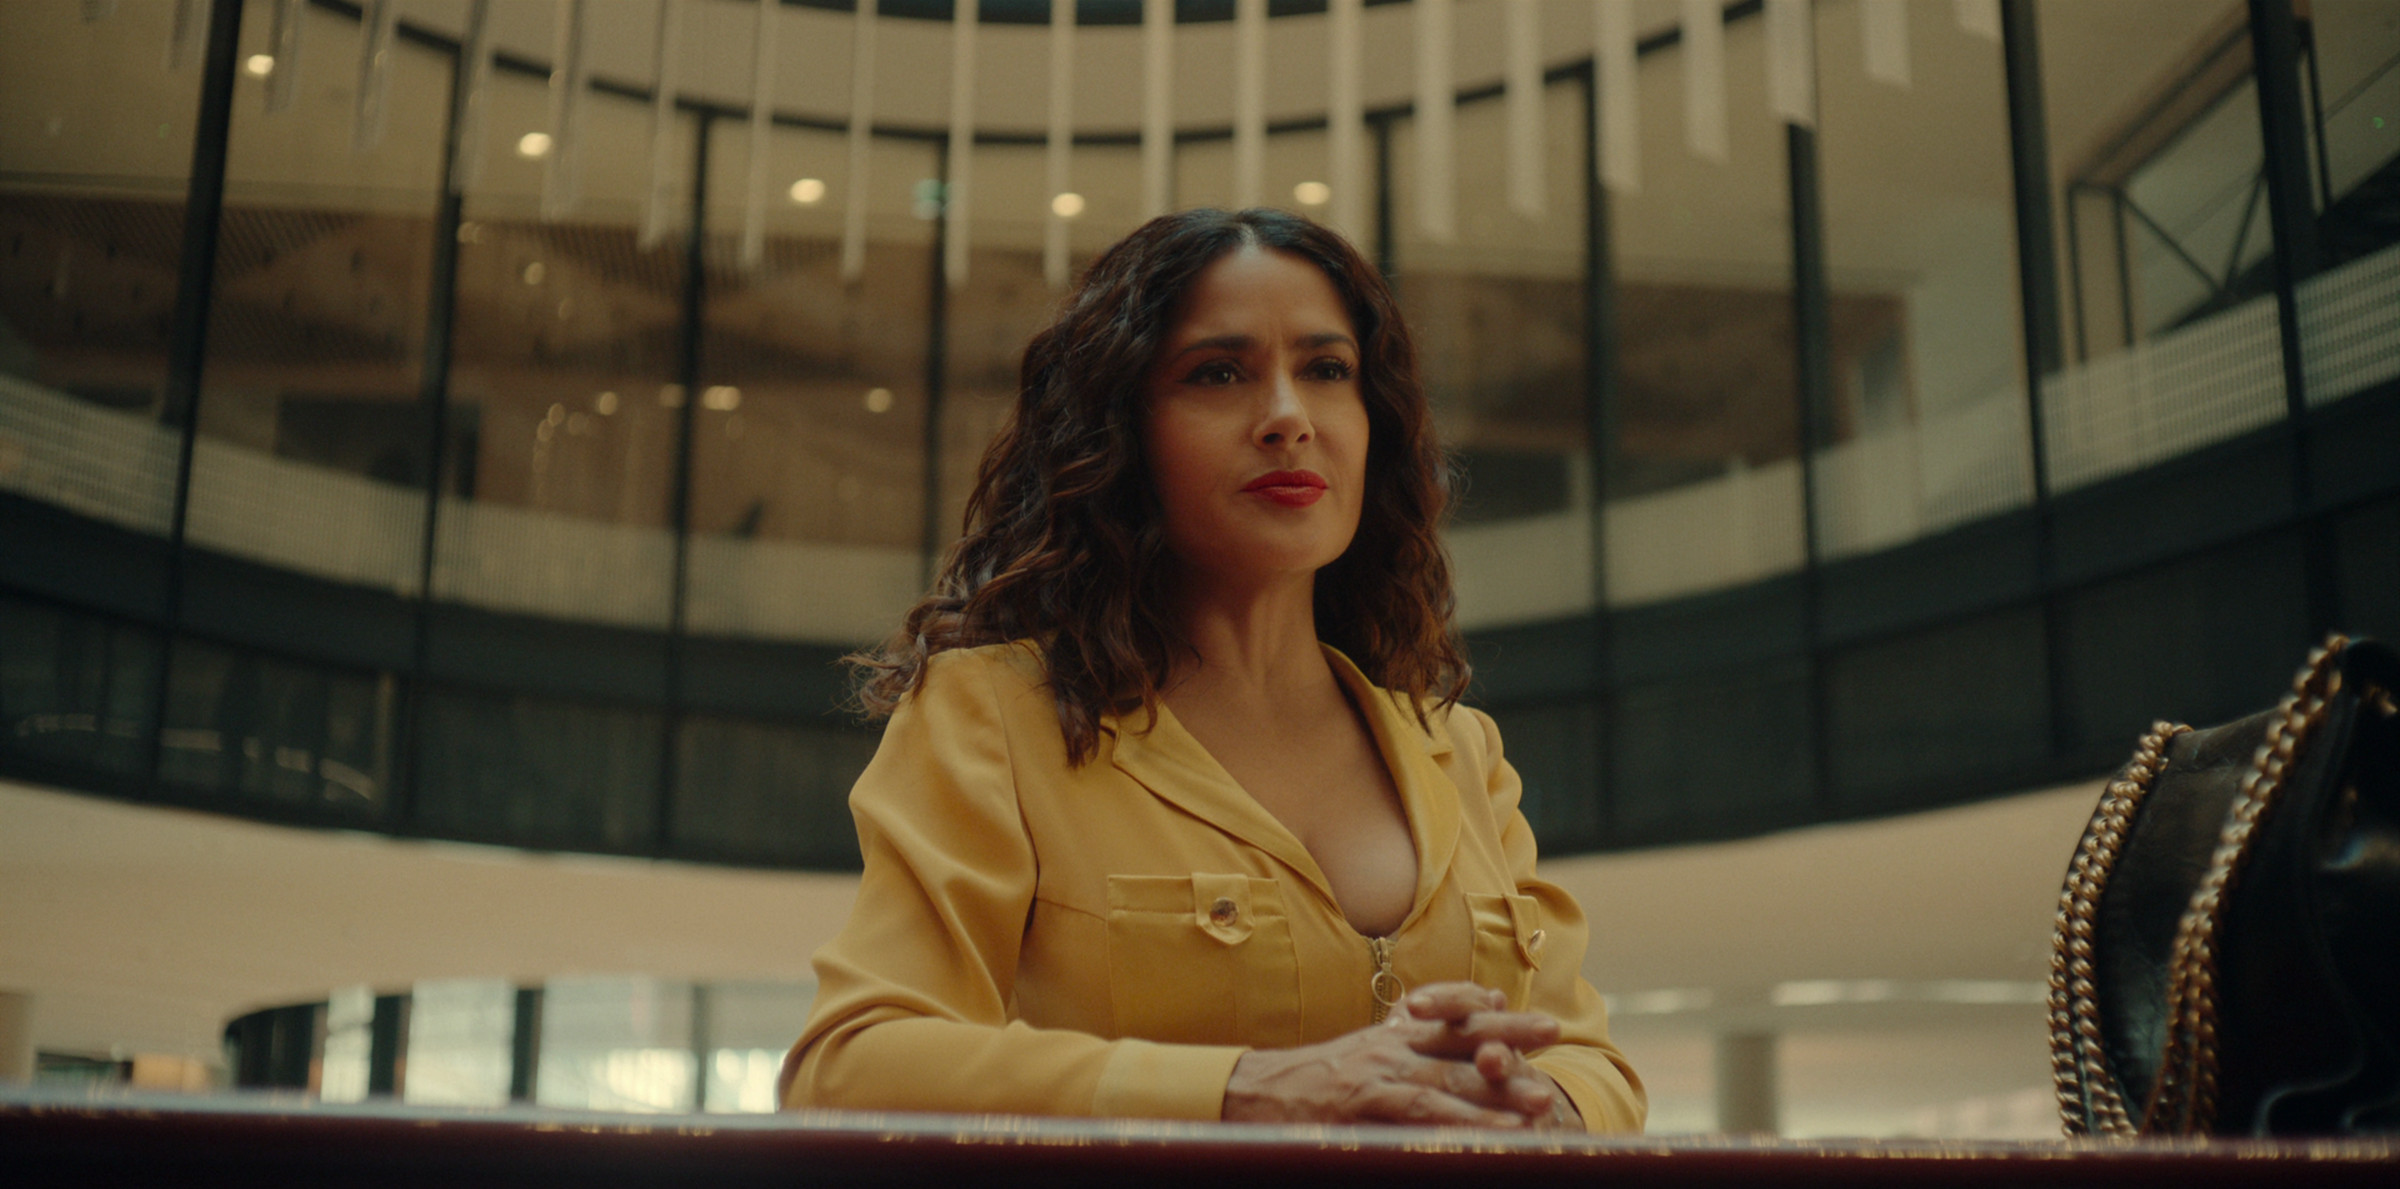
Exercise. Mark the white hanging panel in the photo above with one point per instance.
(283, 42)
(188, 33)
(1437, 180)
(762, 130)
(1527, 187)
(1979, 17)
(958, 192)
(475, 60)
(658, 204)
(1791, 63)
(560, 185)
(1883, 28)
(1058, 164)
(862, 141)
(1158, 106)
(378, 28)
(1249, 102)
(1619, 97)
(1345, 140)
(1704, 121)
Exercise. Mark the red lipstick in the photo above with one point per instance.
(1292, 489)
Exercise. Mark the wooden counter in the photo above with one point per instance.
(85, 1139)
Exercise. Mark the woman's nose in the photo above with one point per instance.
(1285, 420)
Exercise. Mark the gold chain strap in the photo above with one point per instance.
(2185, 1100)
(2078, 1063)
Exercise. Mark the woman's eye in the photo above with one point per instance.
(1218, 372)
(1329, 370)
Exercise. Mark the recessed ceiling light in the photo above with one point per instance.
(1312, 193)
(533, 144)
(1067, 205)
(808, 191)
(259, 65)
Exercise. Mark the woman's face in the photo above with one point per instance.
(1257, 429)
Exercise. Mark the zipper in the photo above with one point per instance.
(1384, 987)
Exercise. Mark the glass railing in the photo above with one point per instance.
(2202, 383)
(2350, 326)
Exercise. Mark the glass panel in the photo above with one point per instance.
(2356, 89)
(2368, 543)
(1704, 474)
(560, 461)
(768, 791)
(349, 1045)
(94, 160)
(2124, 642)
(2153, 120)
(1928, 420)
(542, 772)
(266, 729)
(1712, 755)
(617, 1044)
(1008, 297)
(1498, 318)
(750, 1025)
(461, 1036)
(1555, 749)
(1966, 700)
(74, 689)
(2350, 313)
(312, 424)
(808, 441)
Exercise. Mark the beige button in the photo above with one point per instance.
(1224, 911)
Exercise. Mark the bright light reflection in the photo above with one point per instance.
(1067, 205)
(808, 191)
(1312, 193)
(259, 65)
(533, 144)
(743, 1080)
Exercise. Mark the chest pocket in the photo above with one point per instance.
(1508, 943)
(1202, 959)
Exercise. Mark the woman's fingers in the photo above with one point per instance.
(1461, 1071)
(1459, 1039)
(1449, 1093)
(1452, 1001)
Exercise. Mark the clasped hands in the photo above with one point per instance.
(1450, 1054)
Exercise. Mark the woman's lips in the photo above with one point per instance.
(1292, 489)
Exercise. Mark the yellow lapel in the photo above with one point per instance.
(1173, 765)
(1413, 753)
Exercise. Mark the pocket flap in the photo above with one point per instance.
(1525, 913)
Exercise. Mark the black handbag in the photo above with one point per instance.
(2227, 957)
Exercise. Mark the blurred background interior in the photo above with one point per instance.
(445, 446)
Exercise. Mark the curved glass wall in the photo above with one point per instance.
(635, 1045)
(543, 519)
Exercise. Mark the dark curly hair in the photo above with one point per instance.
(1064, 542)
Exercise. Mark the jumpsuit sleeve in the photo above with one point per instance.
(912, 1006)
(1585, 1064)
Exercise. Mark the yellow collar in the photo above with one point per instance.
(1172, 764)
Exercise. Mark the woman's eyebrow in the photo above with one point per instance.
(1243, 342)
(1225, 342)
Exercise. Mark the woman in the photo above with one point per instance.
(1176, 801)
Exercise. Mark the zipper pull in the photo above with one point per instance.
(1383, 986)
